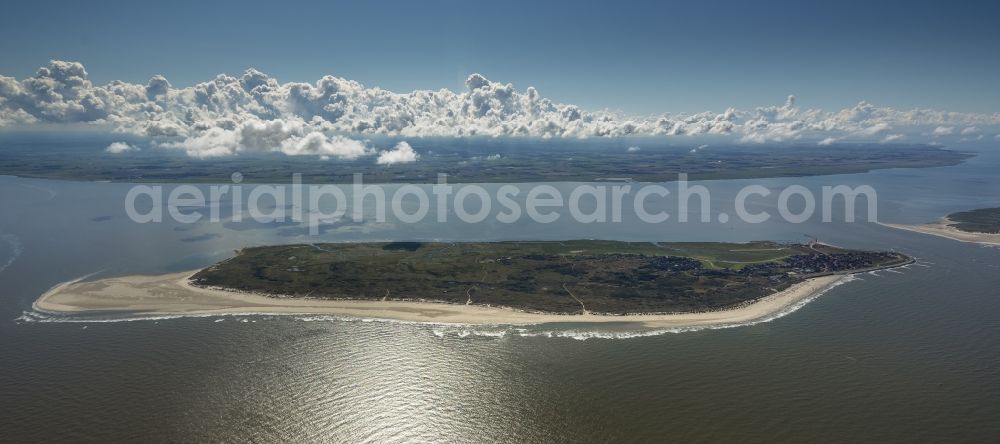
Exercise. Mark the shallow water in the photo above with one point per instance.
(889, 356)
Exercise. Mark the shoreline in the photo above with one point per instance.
(174, 295)
(942, 228)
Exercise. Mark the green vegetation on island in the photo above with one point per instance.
(983, 220)
(607, 277)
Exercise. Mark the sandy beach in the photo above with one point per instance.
(172, 294)
(943, 228)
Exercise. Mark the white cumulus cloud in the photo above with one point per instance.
(943, 131)
(120, 147)
(402, 153)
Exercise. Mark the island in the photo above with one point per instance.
(981, 226)
(669, 284)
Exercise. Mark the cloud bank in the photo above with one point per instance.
(330, 117)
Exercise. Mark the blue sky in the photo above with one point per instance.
(639, 57)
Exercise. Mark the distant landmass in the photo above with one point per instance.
(469, 161)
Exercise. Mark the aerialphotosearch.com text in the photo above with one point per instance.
(318, 204)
